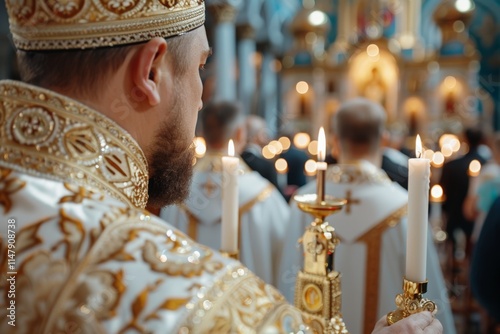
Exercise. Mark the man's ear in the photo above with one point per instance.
(146, 69)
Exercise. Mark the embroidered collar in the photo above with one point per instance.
(359, 172)
(47, 134)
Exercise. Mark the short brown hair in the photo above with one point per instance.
(360, 122)
(219, 121)
(83, 70)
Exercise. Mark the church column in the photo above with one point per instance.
(269, 91)
(410, 34)
(225, 51)
(246, 61)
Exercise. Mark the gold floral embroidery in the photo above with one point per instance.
(50, 135)
(74, 233)
(8, 186)
(160, 262)
(28, 236)
(79, 194)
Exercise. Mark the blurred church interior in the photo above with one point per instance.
(434, 65)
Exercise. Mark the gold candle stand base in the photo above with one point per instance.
(232, 255)
(317, 289)
(320, 298)
(411, 301)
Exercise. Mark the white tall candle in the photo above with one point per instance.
(418, 201)
(229, 234)
(321, 166)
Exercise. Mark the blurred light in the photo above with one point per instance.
(272, 149)
(278, 148)
(455, 144)
(446, 150)
(310, 167)
(458, 26)
(450, 82)
(302, 87)
(474, 168)
(312, 148)
(266, 153)
(407, 41)
(428, 154)
(285, 143)
(436, 192)
(433, 66)
(440, 236)
(463, 5)
(281, 165)
(200, 147)
(438, 159)
(275, 65)
(317, 18)
(311, 37)
(372, 50)
(256, 59)
(301, 140)
(448, 139)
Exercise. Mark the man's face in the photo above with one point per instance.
(170, 157)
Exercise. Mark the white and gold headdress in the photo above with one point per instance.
(83, 24)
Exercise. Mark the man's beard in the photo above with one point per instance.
(170, 163)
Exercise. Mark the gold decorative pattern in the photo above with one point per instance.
(373, 241)
(248, 303)
(411, 301)
(8, 186)
(355, 173)
(47, 134)
(81, 24)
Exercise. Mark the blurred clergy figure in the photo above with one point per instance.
(371, 226)
(263, 212)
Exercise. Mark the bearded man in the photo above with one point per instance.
(108, 105)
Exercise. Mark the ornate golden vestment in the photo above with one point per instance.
(86, 256)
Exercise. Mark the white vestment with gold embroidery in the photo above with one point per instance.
(87, 257)
(264, 216)
(372, 232)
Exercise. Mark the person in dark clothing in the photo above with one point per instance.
(485, 264)
(396, 172)
(252, 153)
(455, 184)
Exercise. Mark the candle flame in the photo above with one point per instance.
(418, 147)
(321, 145)
(230, 148)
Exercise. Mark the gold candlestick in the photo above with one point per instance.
(317, 289)
(411, 301)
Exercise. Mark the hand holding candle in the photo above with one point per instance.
(321, 166)
(418, 201)
(229, 236)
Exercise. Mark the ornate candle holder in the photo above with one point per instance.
(411, 301)
(317, 290)
(232, 255)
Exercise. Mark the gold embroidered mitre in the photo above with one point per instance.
(83, 24)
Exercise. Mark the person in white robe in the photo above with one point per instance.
(102, 125)
(371, 226)
(263, 212)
